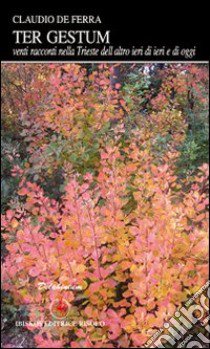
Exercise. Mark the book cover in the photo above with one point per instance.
(104, 178)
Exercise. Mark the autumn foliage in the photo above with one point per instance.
(124, 227)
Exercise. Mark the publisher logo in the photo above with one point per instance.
(59, 308)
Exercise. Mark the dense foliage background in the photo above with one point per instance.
(104, 186)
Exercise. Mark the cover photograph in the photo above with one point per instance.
(104, 181)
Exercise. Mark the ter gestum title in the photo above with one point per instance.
(59, 36)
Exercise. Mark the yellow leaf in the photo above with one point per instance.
(14, 223)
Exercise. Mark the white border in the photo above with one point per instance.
(60, 61)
